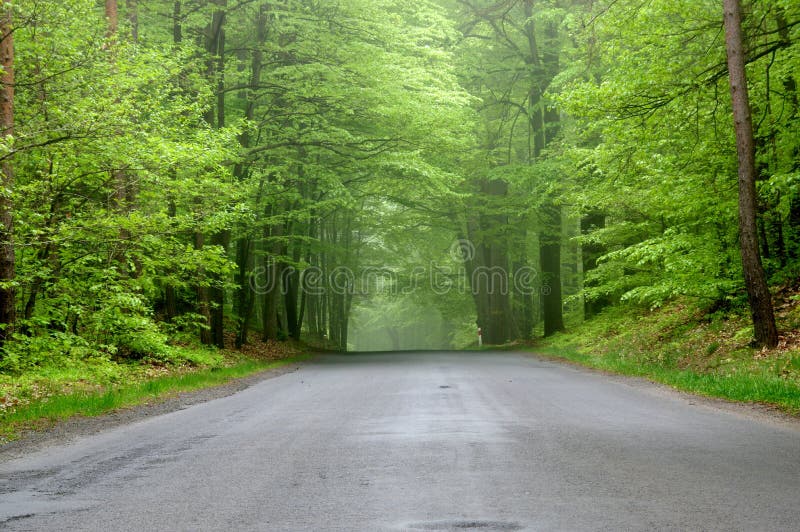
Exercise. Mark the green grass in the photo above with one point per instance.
(47, 410)
(742, 387)
(684, 348)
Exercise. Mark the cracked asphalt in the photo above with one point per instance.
(421, 441)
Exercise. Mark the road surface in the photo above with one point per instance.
(421, 441)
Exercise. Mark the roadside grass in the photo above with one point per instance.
(690, 350)
(55, 396)
(742, 387)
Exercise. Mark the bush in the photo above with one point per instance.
(53, 348)
(125, 325)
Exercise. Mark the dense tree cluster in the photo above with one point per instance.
(191, 169)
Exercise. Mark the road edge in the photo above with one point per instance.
(762, 412)
(67, 430)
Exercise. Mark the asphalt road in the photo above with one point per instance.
(424, 441)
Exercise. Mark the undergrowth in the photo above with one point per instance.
(691, 349)
(92, 385)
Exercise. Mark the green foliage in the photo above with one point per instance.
(158, 181)
(650, 133)
(142, 164)
(29, 353)
(131, 392)
(124, 324)
(685, 347)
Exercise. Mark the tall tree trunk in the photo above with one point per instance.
(8, 312)
(590, 252)
(203, 306)
(213, 43)
(112, 19)
(245, 298)
(500, 326)
(170, 295)
(291, 280)
(523, 297)
(544, 126)
(550, 257)
(222, 238)
(133, 18)
(124, 194)
(758, 294)
(472, 264)
(217, 295)
(177, 22)
(487, 271)
(272, 267)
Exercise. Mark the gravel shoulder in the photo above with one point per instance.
(67, 430)
(760, 412)
(417, 441)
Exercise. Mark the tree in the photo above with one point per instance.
(758, 293)
(509, 59)
(7, 251)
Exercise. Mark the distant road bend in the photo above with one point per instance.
(421, 441)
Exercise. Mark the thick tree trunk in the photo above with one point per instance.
(488, 271)
(222, 238)
(212, 334)
(471, 265)
(544, 125)
(133, 18)
(170, 295)
(8, 312)
(170, 302)
(272, 268)
(523, 300)
(125, 191)
(290, 294)
(758, 294)
(217, 294)
(245, 300)
(203, 305)
(269, 325)
(112, 18)
(177, 22)
(590, 252)
(550, 257)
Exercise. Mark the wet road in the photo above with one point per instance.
(428, 441)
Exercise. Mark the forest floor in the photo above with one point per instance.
(693, 349)
(37, 400)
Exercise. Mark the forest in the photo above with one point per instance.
(384, 174)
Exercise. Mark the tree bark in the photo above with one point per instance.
(270, 323)
(112, 18)
(244, 301)
(177, 22)
(590, 252)
(291, 279)
(212, 334)
(758, 294)
(203, 306)
(550, 257)
(8, 313)
(217, 293)
(544, 126)
(124, 194)
(133, 18)
(170, 295)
